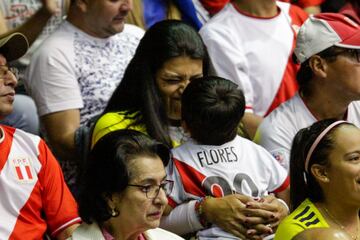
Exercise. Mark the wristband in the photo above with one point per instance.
(199, 209)
(284, 203)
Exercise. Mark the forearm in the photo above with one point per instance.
(34, 26)
(251, 123)
(3, 27)
(60, 130)
(182, 219)
(63, 146)
(66, 233)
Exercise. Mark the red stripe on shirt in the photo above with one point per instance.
(171, 202)
(283, 186)
(28, 172)
(18, 172)
(191, 178)
(289, 86)
(5, 145)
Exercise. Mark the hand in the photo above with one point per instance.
(280, 210)
(271, 210)
(50, 6)
(229, 213)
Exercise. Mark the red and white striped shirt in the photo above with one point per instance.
(34, 198)
(256, 53)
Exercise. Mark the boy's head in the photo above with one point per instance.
(211, 108)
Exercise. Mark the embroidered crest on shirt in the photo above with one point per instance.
(279, 155)
(23, 169)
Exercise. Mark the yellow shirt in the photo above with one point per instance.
(113, 121)
(304, 217)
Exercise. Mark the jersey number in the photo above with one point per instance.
(218, 187)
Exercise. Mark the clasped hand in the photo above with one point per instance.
(244, 216)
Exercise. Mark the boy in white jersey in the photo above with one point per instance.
(216, 161)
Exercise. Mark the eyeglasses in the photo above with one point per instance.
(152, 191)
(352, 53)
(5, 70)
(355, 54)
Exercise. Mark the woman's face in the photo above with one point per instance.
(344, 171)
(173, 77)
(137, 211)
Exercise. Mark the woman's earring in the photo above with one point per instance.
(114, 212)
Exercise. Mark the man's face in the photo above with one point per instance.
(8, 83)
(344, 74)
(105, 18)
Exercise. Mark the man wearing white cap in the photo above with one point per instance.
(34, 197)
(328, 48)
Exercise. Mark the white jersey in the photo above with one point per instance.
(255, 53)
(238, 166)
(278, 130)
(73, 70)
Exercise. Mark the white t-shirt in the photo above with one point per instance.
(238, 166)
(278, 130)
(255, 53)
(73, 70)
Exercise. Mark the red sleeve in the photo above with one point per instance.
(59, 205)
(283, 186)
(298, 16)
(214, 6)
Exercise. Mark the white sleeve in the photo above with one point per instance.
(229, 61)
(182, 219)
(51, 79)
(276, 140)
(269, 171)
(278, 177)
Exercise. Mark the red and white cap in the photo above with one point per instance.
(324, 30)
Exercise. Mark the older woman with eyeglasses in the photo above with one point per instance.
(124, 189)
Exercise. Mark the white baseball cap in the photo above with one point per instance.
(324, 30)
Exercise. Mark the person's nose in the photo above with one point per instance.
(161, 198)
(184, 85)
(10, 79)
(127, 5)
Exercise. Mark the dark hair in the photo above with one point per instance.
(212, 108)
(107, 170)
(303, 184)
(138, 91)
(305, 74)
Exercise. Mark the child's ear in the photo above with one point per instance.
(184, 126)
